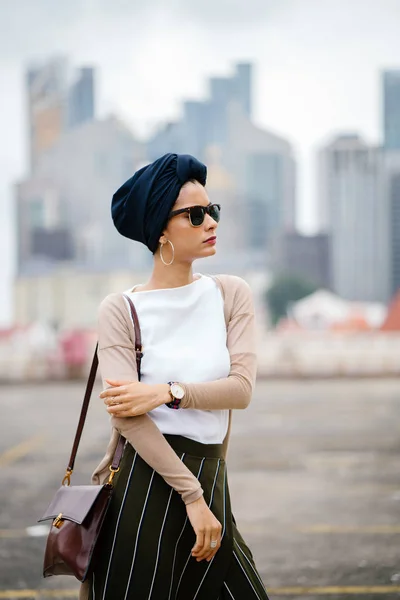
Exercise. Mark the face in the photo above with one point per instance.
(190, 242)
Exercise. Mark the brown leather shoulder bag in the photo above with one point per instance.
(78, 511)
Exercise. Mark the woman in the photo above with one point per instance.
(169, 533)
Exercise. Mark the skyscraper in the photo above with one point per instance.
(264, 196)
(46, 88)
(265, 173)
(223, 92)
(392, 191)
(305, 256)
(63, 208)
(259, 164)
(395, 230)
(391, 109)
(243, 86)
(57, 101)
(205, 123)
(81, 98)
(357, 214)
(391, 125)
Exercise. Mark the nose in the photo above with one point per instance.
(209, 222)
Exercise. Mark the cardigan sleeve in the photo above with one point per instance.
(234, 391)
(117, 361)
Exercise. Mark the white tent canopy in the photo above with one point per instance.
(323, 309)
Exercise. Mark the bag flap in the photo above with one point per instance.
(74, 502)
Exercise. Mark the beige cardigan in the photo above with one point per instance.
(117, 361)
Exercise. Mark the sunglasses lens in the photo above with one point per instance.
(215, 212)
(196, 216)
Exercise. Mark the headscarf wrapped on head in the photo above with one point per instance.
(140, 207)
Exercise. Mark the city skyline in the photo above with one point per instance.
(63, 205)
(294, 49)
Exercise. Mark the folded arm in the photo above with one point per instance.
(117, 361)
(234, 391)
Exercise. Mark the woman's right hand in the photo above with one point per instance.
(206, 527)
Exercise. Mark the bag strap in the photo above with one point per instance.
(138, 335)
(88, 392)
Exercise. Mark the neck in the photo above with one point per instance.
(175, 275)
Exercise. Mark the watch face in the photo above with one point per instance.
(177, 391)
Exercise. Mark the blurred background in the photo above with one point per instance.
(294, 105)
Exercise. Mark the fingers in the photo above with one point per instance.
(121, 413)
(116, 382)
(110, 392)
(116, 403)
(120, 398)
(205, 551)
(123, 406)
(207, 529)
(199, 543)
(214, 537)
(118, 386)
(214, 551)
(114, 398)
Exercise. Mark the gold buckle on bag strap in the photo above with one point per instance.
(67, 477)
(113, 471)
(58, 521)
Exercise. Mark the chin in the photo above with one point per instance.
(206, 253)
(210, 251)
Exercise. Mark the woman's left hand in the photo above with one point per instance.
(134, 397)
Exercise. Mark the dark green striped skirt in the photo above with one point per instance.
(144, 550)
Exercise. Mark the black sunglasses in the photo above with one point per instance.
(197, 213)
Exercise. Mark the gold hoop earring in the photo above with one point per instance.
(173, 254)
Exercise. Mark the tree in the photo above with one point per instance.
(285, 289)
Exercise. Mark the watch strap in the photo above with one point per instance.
(175, 402)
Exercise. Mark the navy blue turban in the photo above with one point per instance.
(140, 207)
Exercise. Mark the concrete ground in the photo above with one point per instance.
(314, 471)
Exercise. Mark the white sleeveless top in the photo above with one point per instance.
(184, 340)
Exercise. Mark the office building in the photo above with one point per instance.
(391, 109)
(43, 235)
(265, 172)
(204, 122)
(357, 214)
(259, 163)
(81, 98)
(394, 198)
(392, 192)
(305, 256)
(58, 99)
(64, 208)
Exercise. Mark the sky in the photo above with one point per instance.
(317, 70)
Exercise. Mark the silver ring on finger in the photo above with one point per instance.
(213, 543)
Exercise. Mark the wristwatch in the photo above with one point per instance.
(177, 393)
